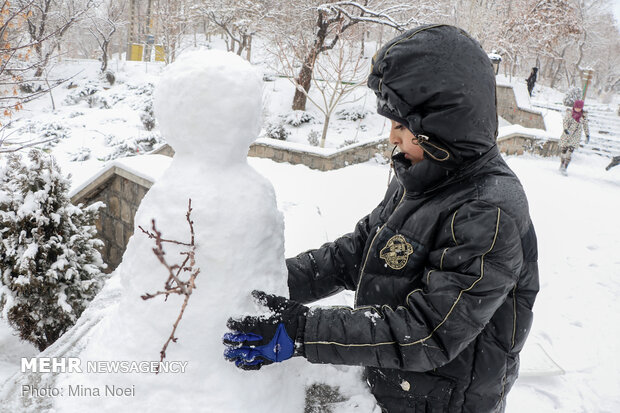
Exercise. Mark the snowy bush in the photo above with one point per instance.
(297, 117)
(49, 259)
(30, 87)
(110, 77)
(142, 102)
(348, 142)
(573, 94)
(313, 138)
(82, 154)
(147, 116)
(135, 146)
(143, 89)
(321, 398)
(50, 133)
(276, 130)
(98, 102)
(81, 94)
(75, 114)
(352, 114)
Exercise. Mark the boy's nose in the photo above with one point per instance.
(394, 139)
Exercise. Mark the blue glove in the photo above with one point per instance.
(566, 131)
(258, 341)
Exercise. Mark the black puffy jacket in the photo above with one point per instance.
(444, 269)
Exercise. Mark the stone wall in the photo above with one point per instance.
(519, 144)
(339, 159)
(508, 109)
(122, 194)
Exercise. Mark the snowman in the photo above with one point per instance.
(208, 105)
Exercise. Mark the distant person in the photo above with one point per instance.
(575, 121)
(531, 81)
(614, 161)
(444, 269)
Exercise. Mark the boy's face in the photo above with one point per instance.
(406, 142)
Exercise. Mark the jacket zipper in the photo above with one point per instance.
(373, 241)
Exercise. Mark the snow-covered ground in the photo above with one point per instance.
(577, 313)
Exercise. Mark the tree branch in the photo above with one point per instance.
(174, 284)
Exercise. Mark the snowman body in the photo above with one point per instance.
(208, 105)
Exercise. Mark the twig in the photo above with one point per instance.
(174, 284)
(154, 236)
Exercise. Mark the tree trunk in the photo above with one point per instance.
(304, 79)
(104, 55)
(554, 78)
(362, 43)
(242, 44)
(249, 49)
(325, 127)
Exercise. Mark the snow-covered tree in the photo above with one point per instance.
(240, 20)
(103, 22)
(48, 21)
(337, 73)
(15, 52)
(310, 29)
(49, 259)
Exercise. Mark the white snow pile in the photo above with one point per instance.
(208, 105)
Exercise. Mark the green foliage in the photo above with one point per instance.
(49, 259)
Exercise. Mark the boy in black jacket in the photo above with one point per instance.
(444, 269)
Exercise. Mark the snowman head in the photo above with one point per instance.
(208, 104)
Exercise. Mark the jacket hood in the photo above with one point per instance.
(439, 82)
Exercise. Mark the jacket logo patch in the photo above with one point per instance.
(396, 252)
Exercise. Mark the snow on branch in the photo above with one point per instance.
(174, 284)
(367, 15)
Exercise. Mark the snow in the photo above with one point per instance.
(576, 312)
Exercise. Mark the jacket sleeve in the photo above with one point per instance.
(566, 122)
(322, 272)
(586, 128)
(474, 265)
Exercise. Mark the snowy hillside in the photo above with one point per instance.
(577, 313)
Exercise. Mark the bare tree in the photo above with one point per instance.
(172, 19)
(331, 20)
(337, 73)
(16, 64)
(532, 28)
(104, 22)
(239, 20)
(49, 21)
(597, 48)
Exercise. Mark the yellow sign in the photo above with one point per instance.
(136, 52)
(396, 252)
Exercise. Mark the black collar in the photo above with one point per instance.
(428, 176)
